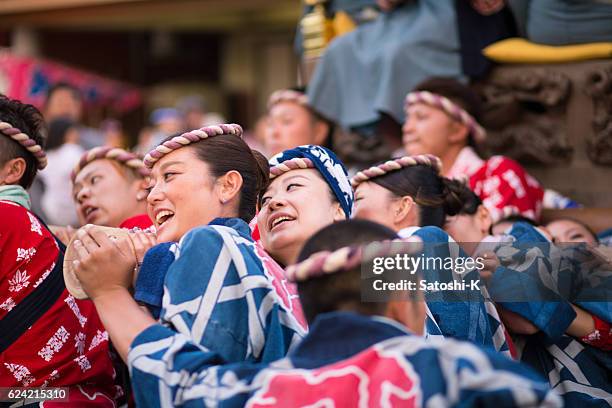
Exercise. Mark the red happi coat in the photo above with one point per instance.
(67, 346)
(504, 187)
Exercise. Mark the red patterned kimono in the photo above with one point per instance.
(67, 346)
(504, 187)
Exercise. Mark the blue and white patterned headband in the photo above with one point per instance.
(325, 161)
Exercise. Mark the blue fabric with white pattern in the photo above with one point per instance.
(345, 360)
(330, 167)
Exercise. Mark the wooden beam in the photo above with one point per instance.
(24, 6)
(167, 14)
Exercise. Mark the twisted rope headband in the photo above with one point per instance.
(124, 157)
(291, 164)
(346, 258)
(287, 95)
(190, 137)
(451, 108)
(396, 164)
(26, 141)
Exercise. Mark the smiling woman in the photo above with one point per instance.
(202, 193)
(309, 190)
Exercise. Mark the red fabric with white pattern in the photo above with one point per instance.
(506, 189)
(67, 346)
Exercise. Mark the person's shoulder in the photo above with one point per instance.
(504, 163)
(17, 214)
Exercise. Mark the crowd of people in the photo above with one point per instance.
(241, 278)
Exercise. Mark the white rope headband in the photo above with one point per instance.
(346, 258)
(26, 141)
(296, 163)
(451, 108)
(190, 137)
(124, 157)
(396, 164)
(287, 95)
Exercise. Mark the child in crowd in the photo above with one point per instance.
(49, 339)
(356, 354)
(291, 123)
(203, 191)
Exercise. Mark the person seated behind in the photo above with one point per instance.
(564, 22)
(63, 152)
(570, 230)
(356, 353)
(442, 119)
(505, 224)
(109, 188)
(292, 123)
(49, 339)
(565, 321)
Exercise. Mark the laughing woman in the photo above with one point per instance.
(203, 191)
(309, 189)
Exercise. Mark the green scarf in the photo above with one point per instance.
(16, 194)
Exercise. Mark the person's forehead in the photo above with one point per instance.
(184, 156)
(284, 107)
(99, 166)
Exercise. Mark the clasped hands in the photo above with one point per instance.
(105, 265)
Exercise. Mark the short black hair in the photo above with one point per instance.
(29, 120)
(342, 290)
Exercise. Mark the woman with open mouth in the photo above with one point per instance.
(203, 191)
(309, 190)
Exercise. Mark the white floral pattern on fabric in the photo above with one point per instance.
(79, 343)
(21, 373)
(35, 225)
(44, 275)
(8, 304)
(101, 336)
(71, 302)
(54, 344)
(83, 363)
(337, 172)
(20, 280)
(25, 254)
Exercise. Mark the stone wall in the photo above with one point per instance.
(557, 121)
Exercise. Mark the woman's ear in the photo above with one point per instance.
(12, 171)
(320, 130)
(339, 214)
(484, 219)
(458, 133)
(229, 186)
(402, 209)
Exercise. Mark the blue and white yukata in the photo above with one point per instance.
(346, 360)
(217, 293)
(467, 315)
(540, 282)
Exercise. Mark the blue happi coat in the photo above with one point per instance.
(216, 293)
(540, 281)
(466, 315)
(346, 360)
